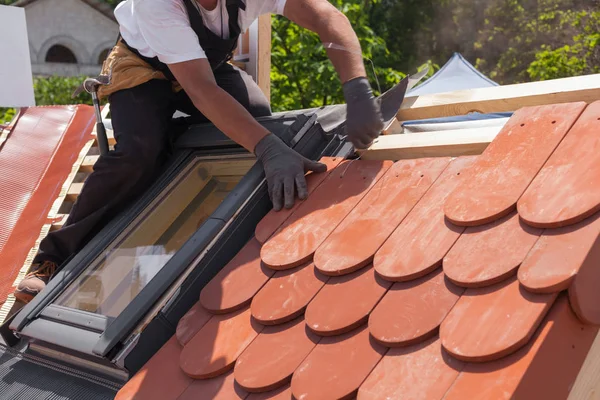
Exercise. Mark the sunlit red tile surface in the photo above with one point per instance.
(489, 306)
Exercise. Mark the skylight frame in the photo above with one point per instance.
(96, 336)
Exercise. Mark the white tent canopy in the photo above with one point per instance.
(456, 74)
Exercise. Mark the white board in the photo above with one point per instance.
(16, 81)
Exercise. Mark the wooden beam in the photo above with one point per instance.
(263, 73)
(447, 143)
(88, 163)
(501, 98)
(587, 384)
(73, 191)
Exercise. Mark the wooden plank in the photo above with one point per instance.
(60, 223)
(502, 98)
(449, 143)
(263, 74)
(587, 384)
(88, 163)
(74, 191)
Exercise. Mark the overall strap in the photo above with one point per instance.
(233, 10)
(196, 20)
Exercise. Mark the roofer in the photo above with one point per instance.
(173, 55)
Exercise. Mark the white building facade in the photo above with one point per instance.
(69, 37)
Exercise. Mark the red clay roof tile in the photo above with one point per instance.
(545, 369)
(584, 292)
(269, 362)
(557, 256)
(149, 382)
(354, 242)
(337, 366)
(424, 235)
(296, 241)
(235, 285)
(285, 393)
(567, 189)
(422, 371)
(345, 302)
(508, 165)
(515, 338)
(274, 219)
(216, 347)
(287, 294)
(191, 323)
(487, 254)
(413, 311)
(489, 323)
(223, 387)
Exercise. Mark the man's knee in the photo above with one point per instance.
(259, 107)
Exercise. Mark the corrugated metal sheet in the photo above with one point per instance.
(34, 162)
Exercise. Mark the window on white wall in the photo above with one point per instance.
(60, 54)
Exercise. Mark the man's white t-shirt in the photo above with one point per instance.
(162, 27)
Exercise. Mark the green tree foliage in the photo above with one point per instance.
(301, 74)
(580, 57)
(509, 40)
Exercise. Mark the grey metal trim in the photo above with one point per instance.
(84, 366)
(62, 335)
(239, 195)
(71, 316)
(208, 136)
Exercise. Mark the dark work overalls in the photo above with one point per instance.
(143, 125)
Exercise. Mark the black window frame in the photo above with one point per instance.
(96, 336)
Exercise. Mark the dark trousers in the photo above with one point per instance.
(143, 125)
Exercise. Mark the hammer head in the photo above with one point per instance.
(91, 85)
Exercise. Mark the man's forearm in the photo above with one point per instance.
(348, 64)
(230, 117)
(332, 26)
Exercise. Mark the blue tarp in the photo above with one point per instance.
(456, 74)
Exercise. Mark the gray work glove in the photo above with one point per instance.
(363, 113)
(284, 169)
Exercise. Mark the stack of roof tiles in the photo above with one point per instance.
(435, 278)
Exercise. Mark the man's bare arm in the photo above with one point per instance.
(332, 26)
(363, 117)
(197, 79)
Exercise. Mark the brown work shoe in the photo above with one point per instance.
(35, 281)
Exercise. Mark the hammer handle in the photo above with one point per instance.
(100, 129)
(102, 139)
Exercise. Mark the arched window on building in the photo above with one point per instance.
(103, 56)
(60, 54)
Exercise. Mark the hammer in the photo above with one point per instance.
(91, 86)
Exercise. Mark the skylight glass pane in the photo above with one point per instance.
(141, 251)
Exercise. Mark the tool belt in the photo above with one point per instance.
(127, 70)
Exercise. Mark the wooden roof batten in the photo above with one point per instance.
(473, 141)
